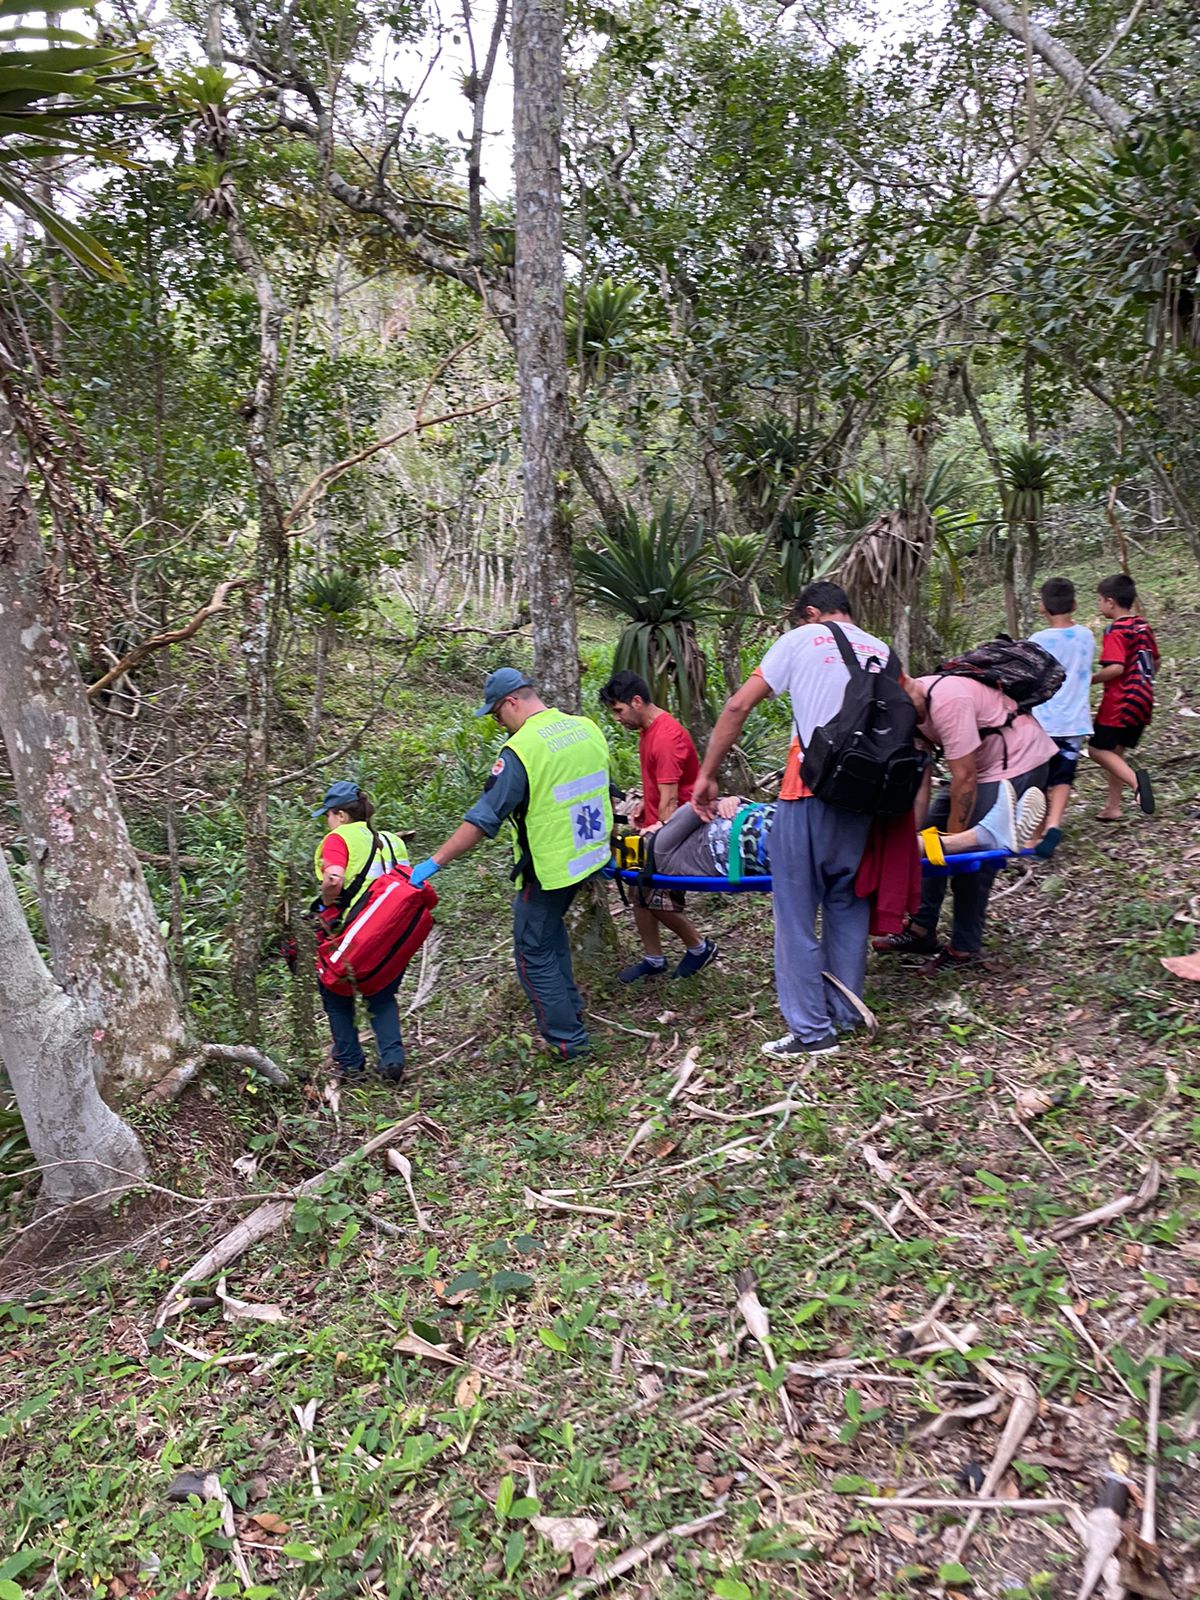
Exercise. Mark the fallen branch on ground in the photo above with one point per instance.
(1147, 1192)
(1020, 1419)
(610, 1571)
(259, 1224)
(918, 1502)
(172, 1085)
(540, 1202)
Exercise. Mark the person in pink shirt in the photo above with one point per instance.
(983, 743)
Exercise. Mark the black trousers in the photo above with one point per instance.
(971, 891)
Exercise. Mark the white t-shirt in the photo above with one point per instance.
(807, 665)
(1067, 714)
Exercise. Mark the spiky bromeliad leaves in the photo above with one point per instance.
(654, 573)
(1027, 474)
(51, 96)
(883, 561)
(600, 332)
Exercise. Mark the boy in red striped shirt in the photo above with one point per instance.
(1128, 662)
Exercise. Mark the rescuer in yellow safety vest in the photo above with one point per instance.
(353, 853)
(551, 783)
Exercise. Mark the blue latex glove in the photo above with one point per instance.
(423, 871)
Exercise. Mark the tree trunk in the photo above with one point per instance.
(322, 650)
(105, 944)
(537, 37)
(46, 1042)
(260, 639)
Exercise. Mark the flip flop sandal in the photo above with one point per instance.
(1145, 793)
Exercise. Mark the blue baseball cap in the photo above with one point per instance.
(500, 684)
(339, 795)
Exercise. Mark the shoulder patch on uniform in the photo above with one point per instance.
(498, 768)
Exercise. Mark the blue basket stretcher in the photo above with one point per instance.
(760, 883)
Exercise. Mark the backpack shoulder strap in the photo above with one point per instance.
(846, 650)
(350, 891)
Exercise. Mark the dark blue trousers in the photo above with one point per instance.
(543, 958)
(385, 1025)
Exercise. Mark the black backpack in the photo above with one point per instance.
(1019, 668)
(865, 759)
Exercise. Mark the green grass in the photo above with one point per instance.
(614, 1382)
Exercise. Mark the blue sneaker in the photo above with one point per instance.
(694, 960)
(642, 969)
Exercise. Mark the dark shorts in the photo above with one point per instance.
(1065, 764)
(660, 899)
(1107, 737)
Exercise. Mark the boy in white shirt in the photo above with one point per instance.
(1066, 716)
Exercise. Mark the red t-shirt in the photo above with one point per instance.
(335, 852)
(668, 756)
(1128, 701)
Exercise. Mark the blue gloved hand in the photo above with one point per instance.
(423, 871)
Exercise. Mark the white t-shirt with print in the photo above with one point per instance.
(807, 665)
(1067, 714)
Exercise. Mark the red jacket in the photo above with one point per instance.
(890, 872)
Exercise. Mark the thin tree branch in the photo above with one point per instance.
(160, 641)
(323, 479)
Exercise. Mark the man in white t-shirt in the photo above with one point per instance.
(1067, 715)
(815, 850)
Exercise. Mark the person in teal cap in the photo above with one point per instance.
(550, 781)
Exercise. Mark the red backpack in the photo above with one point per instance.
(382, 932)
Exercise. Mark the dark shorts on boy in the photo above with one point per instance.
(1125, 737)
(1065, 764)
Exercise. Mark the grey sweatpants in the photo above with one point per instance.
(815, 855)
(681, 845)
(542, 953)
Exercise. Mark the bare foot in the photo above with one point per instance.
(1108, 816)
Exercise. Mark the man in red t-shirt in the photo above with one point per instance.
(670, 767)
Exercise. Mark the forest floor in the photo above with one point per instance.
(503, 1395)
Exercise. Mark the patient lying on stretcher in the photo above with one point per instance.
(688, 847)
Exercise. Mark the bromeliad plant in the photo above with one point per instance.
(59, 91)
(1027, 472)
(655, 573)
(600, 331)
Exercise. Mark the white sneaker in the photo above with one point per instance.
(1031, 813)
(790, 1047)
(1001, 820)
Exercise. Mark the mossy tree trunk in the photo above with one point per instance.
(106, 947)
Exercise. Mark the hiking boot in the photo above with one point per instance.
(791, 1047)
(914, 941)
(867, 1020)
(694, 960)
(642, 969)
